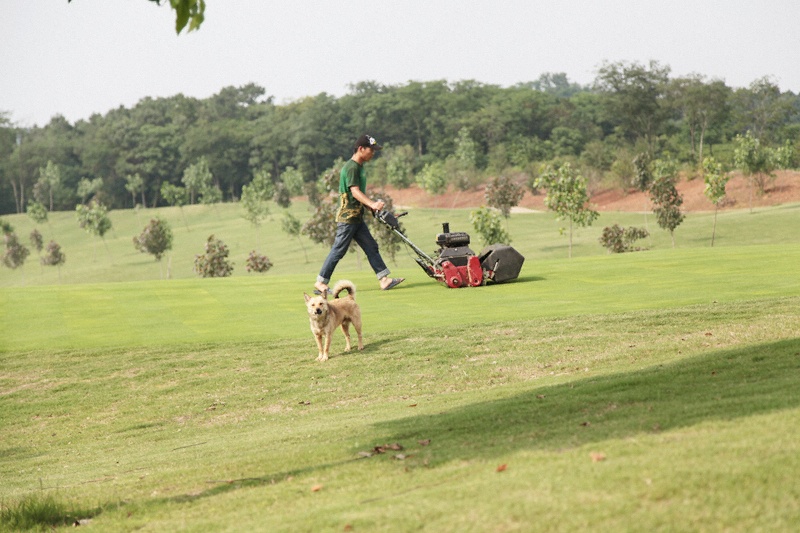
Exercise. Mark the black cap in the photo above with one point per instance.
(368, 142)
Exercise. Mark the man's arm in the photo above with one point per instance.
(364, 199)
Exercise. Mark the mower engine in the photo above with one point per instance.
(456, 265)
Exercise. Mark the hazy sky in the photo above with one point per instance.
(90, 56)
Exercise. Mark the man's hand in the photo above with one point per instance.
(366, 200)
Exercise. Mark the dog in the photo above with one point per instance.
(325, 317)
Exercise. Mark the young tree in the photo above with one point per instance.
(133, 184)
(197, 178)
(54, 257)
(665, 197)
(93, 219)
(15, 252)
(489, 226)
(49, 181)
(567, 196)
(753, 159)
(175, 195)
(617, 239)
(214, 262)
(503, 193)
(255, 196)
(155, 239)
(87, 188)
(466, 158)
(292, 178)
(399, 165)
(715, 180)
(37, 211)
(291, 226)
(433, 178)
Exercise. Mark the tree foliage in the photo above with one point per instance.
(435, 133)
(567, 196)
(15, 252)
(155, 239)
(665, 197)
(503, 193)
(213, 263)
(617, 239)
(715, 181)
(489, 226)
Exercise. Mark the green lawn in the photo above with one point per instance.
(653, 391)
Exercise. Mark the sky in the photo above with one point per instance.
(90, 56)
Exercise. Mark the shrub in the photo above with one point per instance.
(618, 240)
(257, 262)
(53, 256)
(489, 226)
(155, 239)
(214, 262)
(16, 253)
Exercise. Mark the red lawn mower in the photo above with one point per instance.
(456, 265)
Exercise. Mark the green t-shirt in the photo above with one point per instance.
(351, 211)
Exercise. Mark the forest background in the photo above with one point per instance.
(437, 134)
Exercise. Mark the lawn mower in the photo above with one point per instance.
(455, 264)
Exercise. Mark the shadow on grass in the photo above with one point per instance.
(723, 385)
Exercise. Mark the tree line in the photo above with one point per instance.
(164, 151)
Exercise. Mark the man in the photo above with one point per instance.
(350, 224)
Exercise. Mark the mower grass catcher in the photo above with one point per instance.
(456, 265)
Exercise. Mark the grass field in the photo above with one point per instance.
(653, 391)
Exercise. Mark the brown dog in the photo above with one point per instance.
(326, 316)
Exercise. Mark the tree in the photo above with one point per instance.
(191, 12)
(15, 253)
(701, 105)
(255, 196)
(399, 165)
(618, 240)
(197, 179)
(292, 179)
(214, 262)
(567, 196)
(133, 184)
(291, 226)
(433, 178)
(488, 225)
(635, 95)
(54, 257)
(175, 195)
(665, 197)
(755, 162)
(49, 181)
(503, 193)
(155, 239)
(715, 180)
(466, 157)
(93, 219)
(37, 211)
(87, 188)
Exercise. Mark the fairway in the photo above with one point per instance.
(650, 391)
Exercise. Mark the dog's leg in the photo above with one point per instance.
(327, 347)
(346, 331)
(357, 324)
(318, 338)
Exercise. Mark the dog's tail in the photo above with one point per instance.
(342, 285)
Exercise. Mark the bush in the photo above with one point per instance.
(155, 239)
(618, 240)
(214, 263)
(53, 255)
(257, 262)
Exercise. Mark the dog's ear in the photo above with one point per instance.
(306, 296)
